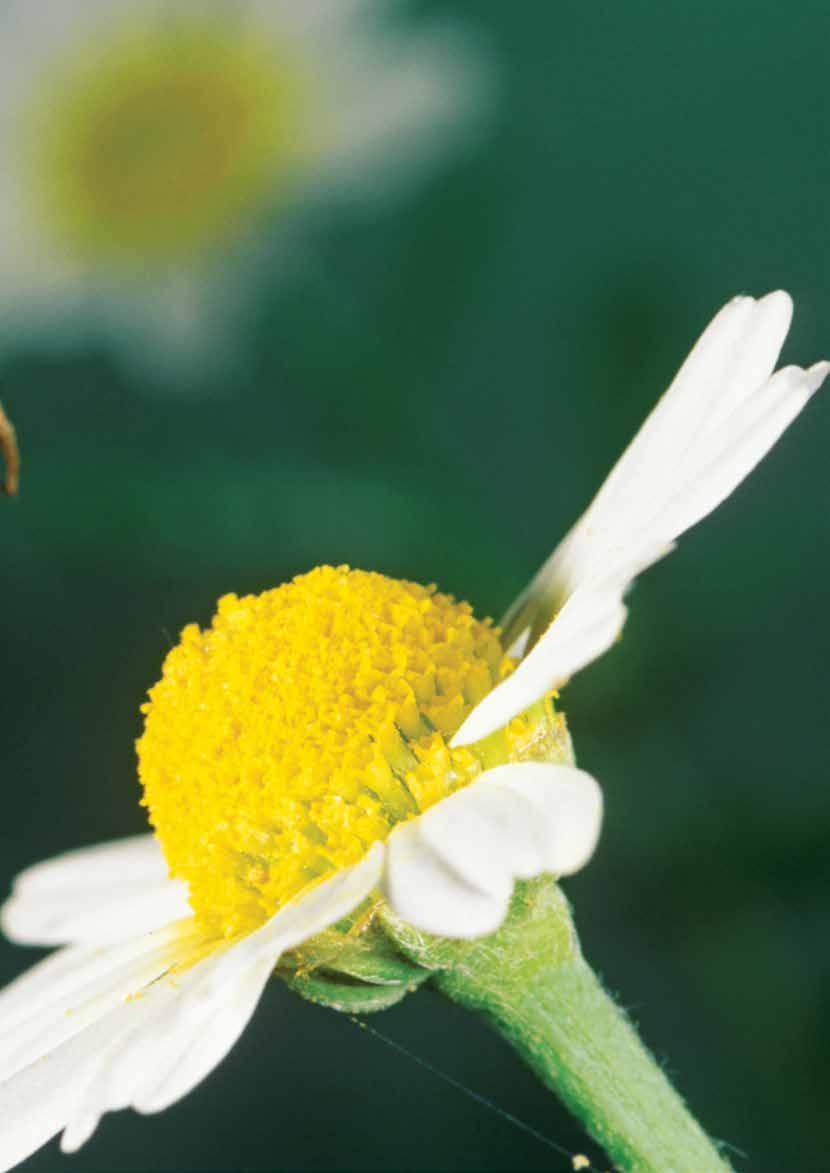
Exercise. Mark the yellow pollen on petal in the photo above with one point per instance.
(305, 723)
(157, 141)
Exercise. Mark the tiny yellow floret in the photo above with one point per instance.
(304, 724)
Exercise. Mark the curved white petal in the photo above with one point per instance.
(94, 895)
(92, 1030)
(424, 889)
(720, 416)
(586, 626)
(568, 804)
(451, 871)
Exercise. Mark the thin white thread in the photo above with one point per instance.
(467, 1091)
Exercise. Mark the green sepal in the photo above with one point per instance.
(349, 997)
(360, 949)
(353, 967)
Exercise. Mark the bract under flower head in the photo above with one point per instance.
(306, 723)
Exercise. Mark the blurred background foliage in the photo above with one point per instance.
(434, 389)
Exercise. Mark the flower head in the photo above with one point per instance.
(308, 722)
(349, 743)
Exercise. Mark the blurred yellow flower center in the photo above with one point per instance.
(307, 721)
(162, 139)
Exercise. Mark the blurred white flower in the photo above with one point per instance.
(147, 148)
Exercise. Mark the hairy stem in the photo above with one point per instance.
(533, 985)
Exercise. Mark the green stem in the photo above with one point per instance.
(583, 1047)
(531, 982)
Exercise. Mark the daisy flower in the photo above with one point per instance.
(146, 146)
(353, 775)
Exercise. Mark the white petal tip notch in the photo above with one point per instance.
(816, 374)
(723, 412)
(451, 871)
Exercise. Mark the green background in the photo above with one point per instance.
(436, 393)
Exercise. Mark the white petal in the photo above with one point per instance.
(741, 343)
(138, 857)
(197, 1022)
(486, 835)
(586, 626)
(749, 434)
(53, 1002)
(769, 327)
(320, 907)
(36, 1104)
(395, 103)
(720, 417)
(212, 1033)
(57, 1020)
(171, 1038)
(568, 803)
(92, 1030)
(424, 889)
(63, 973)
(112, 915)
(313, 21)
(96, 895)
(451, 871)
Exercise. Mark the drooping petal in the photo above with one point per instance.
(71, 990)
(721, 415)
(55, 1020)
(148, 1023)
(174, 1038)
(451, 871)
(95, 895)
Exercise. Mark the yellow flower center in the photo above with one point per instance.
(305, 723)
(160, 140)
